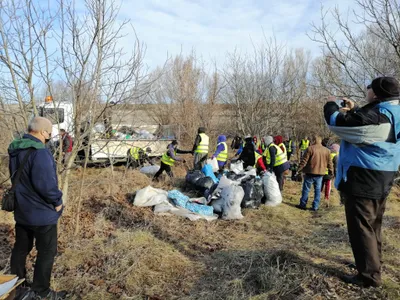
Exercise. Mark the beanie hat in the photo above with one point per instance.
(201, 130)
(385, 87)
(268, 139)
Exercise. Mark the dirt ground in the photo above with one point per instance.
(113, 250)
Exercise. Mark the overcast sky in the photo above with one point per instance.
(215, 27)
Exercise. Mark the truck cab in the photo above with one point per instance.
(60, 114)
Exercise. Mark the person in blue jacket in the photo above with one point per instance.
(367, 165)
(38, 207)
(221, 152)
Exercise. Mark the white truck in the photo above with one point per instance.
(106, 149)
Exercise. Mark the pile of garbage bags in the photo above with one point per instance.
(223, 196)
(235, 189)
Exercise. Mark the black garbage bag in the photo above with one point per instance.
(193, 176)
(204, 183)
(210, 191)
(253, 193)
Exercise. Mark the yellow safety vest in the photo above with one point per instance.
(134, 152)
(223, 155)
(333, 154)
(257, 157)
(304, 145)
(284, 148)
(203, 146)
(290, 147)
(168, 160)
(280, 157)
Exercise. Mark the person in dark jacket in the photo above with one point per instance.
(236, 142)
(169, 158)
(247, 153)
(368, 161)
(39, 205)
(276, 160)
(200, 148)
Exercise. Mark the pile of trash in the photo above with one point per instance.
(221, 196)
(124, 133)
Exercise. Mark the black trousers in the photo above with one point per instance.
(134, 163)
(46, 246)
(364, 223)
(163, 168)
(289, 155)
(280, 177)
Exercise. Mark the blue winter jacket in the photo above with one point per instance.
(37, 192)
(370, 150)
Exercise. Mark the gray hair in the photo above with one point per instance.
(38, 124)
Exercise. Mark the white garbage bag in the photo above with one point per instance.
(150, 170)
(213, 163)
(271, 189)
(233, 196)
(150, 196)
(237, 167)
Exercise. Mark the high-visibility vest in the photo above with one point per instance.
(168, 160)
(134, 152)
(290, 147)
(333, 154)
(203, 146)
(257, 156)
(280, 157)
(223, 155)
(304, 145)
(284, 148)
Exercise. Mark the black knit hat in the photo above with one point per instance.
(201, 130)
(385, 87)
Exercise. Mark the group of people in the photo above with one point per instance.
(366, 167)
(200, 151)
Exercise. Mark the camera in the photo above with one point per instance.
(340, 102)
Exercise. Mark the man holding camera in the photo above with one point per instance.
(367, 164)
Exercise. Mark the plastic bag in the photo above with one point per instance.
(150, 170)
(272, 193)
(182, 200)
(232, 198)
(200, 209)
(237, 167)
(207, 170)
(178, 198)
(253, 193)
(214, 164)
(150, 196)
(193, 176)
(204, 183)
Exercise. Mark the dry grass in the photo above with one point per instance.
(125, 252)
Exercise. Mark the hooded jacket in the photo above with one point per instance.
(220, 148)
(37, 192)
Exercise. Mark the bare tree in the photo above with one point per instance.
(185, 95)
(351, 61)
(264, 89)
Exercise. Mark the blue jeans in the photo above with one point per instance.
(307, 183)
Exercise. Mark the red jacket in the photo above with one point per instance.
(67, 143)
